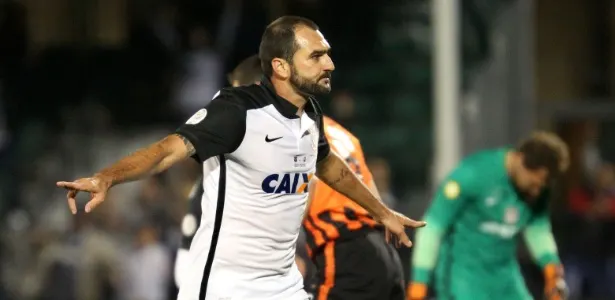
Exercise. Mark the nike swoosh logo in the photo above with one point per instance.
(268, 140)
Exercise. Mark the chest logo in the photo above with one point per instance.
(288, 183)
(268, 140)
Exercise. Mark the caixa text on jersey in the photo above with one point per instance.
(287, 183)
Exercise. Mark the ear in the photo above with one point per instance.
(280, 67)
(521, 158)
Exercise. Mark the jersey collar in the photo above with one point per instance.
(285, 107)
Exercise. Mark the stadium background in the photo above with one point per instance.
(83, 82)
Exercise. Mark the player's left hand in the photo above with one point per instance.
(395, 227)
(555, 285)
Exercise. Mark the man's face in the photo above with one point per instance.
(312, 66)
(530, 182)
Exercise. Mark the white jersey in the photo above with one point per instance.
(258, 157)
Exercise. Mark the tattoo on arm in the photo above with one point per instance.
(344, 172)
(189, 147)
(332, 170)
(338, 175)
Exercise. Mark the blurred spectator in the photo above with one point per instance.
(591, 158)
(202, 66)
(203, 63)
(588, 266)
(596, 199)
(161, 205)
(381, 173)
(99, 266)
(163, 24)
(343, 108)
(148, 267)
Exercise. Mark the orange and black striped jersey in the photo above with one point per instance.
(332, 216)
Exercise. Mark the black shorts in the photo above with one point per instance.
(363, 268)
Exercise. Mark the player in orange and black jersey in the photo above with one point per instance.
(348, 247)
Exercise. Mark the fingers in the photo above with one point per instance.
(82, 184)
(86, 185)
(402, 237)
(72, 203)
(390, 237)
(413, 223)
(407, 222)
(68, 185)
(97, 199)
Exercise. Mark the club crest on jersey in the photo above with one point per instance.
(287, 183)
(511, 215)
(197, 117)
(300, 161)
(452, 190)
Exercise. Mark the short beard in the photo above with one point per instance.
(306, 87)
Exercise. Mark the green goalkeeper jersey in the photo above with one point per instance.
(474, 223)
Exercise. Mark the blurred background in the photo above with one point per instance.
(84, 82)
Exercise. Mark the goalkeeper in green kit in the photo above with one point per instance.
(468, 251)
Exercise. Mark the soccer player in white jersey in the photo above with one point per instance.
(259, 146)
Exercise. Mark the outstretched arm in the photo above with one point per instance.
(144, 162)
(215, 130)
(148, 161)
(334, 171)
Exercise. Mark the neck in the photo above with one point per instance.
(286, 91)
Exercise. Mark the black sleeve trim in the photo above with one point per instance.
(192, 139)
(220, 131)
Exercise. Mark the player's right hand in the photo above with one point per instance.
(395, 225)
(555, 285)
(416, 291)
(96, 186)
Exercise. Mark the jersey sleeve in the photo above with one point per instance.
(216, 129)
(455, 192)
(323, 143)
(539, 239)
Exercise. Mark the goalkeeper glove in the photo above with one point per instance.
(416, 291)
(555, 286)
